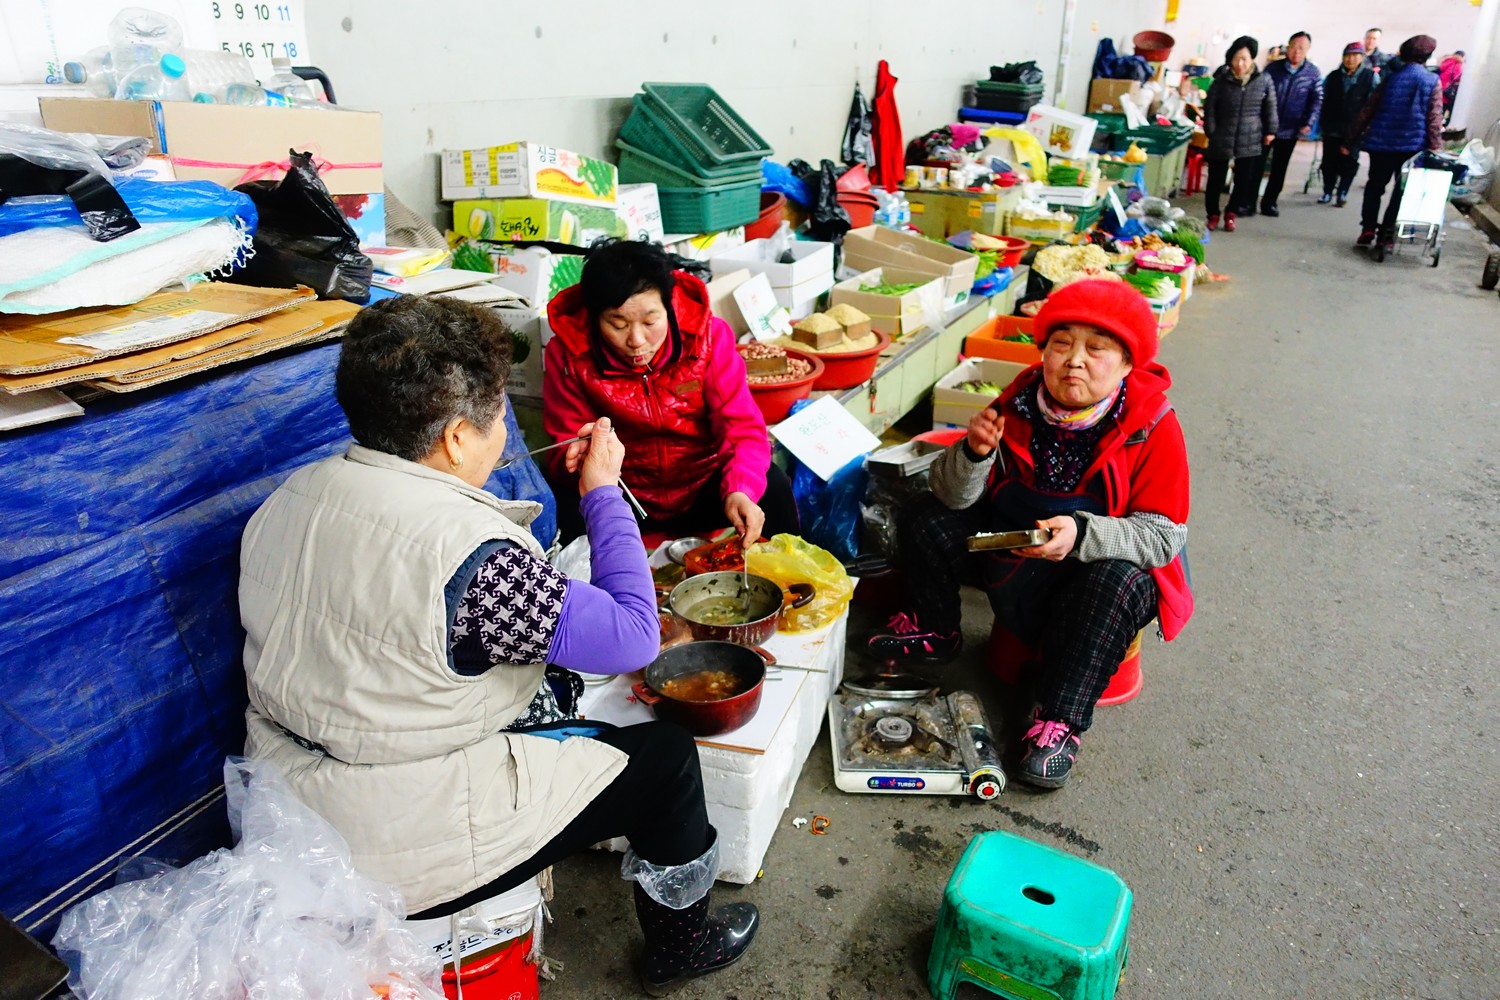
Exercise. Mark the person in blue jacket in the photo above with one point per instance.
(1299, 100)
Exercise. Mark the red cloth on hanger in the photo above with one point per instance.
(890, 151)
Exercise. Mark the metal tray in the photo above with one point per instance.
(904, 460)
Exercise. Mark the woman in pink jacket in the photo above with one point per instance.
(635, 341)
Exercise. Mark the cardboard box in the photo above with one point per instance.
(940, 214)
(951, 405)
(877, 246)
(897, 315)
(529, 336)
(1168, 312)
(42, 343)
(525, 219)
(1104, 95)
(639, 209)
(229, 145)
(535, 273)
(528, 170)
(809, 275)
(721, 299)
(1060, 132)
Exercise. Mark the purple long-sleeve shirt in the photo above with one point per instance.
(520, 609)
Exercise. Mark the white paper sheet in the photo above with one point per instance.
(32, 408)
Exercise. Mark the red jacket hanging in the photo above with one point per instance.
(885, 133)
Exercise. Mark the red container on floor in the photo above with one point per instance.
(499, 973)
(772, 206)
(848, 369)
(1007, 655)
(775, 401)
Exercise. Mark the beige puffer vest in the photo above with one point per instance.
(342, 577)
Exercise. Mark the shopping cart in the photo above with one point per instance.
(1419, 220)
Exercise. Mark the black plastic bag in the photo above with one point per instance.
(303, 239)
(1021, 72)
(103, 211)
(858, 146)
(828, 221)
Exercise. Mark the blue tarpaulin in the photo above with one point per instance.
(121, 689)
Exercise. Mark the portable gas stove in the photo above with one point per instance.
(912, 742)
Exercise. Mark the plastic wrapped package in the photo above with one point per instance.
(148, 201)
(41, 161)
(788, 560)
(282, 914)
(674, 886)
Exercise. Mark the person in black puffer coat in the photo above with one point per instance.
(1345, 92)
(1239, 117)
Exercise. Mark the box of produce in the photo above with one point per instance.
(1060, 132)
(1004, 338)
(528, 170)
(1172, 261)
(898, 302)
(970, 387)
(877, 246)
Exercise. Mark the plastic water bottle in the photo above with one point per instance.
(291, 86)
(94, 70)
(251, 96)
(210, 73)
(140, 37)
(163, 82)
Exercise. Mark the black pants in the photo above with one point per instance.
(1247, 171)
(1081, 616)
(1338, 168)
(705, 514)
(656, 802)
(1281, 157)
(1384, 167)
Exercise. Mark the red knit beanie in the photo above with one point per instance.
(1112, 306)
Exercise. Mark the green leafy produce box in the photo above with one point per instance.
(955, 406)
(916, 309)
(535, 219)
(528, 170)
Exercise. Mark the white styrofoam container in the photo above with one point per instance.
(811, 261)
(1061, 133)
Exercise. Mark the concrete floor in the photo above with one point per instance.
(1304, 797)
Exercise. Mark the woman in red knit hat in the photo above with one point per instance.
(1084, 445)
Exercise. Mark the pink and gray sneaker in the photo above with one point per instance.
(1049, 751)
(906, 641)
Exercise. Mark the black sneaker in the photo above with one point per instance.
(1270, 211)
(905, 641)
(1050, 748)
(1247, 212)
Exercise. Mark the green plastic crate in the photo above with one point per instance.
(639, 167)
(1019, 89)
(708, 210)
(705, 130)
(1155, 139)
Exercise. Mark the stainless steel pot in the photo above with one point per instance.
(767, 600)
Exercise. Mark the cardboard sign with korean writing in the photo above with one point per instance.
(825, 437)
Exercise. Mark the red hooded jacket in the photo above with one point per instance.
(684, 419)
(1136, 475)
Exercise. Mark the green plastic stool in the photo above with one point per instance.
(1029, 922)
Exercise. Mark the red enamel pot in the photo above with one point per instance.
(745, 665)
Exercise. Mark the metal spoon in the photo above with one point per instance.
(635, 505)
(744, 594)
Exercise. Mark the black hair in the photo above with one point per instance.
(411, 365)
(1300, 34)
(1242, 42)
(1459, 52)
(1376, 30)
(614, 270)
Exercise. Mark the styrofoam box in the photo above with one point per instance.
(1060, 132)
(812, 262)
(956, 406)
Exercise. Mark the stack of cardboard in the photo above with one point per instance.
(167, 336)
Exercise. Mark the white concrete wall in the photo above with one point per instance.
(455, 73)
(1206, 27)
(1478, 105)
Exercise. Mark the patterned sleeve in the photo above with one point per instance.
(511, 607)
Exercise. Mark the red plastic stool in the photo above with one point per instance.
(1007, 655)
(1193, 181)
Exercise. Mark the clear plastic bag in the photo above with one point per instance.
(675, 886)
(41, 161)
(281, 914)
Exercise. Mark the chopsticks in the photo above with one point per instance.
(635, 505)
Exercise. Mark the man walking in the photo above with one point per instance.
(1345, 92)
(1375, 59)
(1299, 100)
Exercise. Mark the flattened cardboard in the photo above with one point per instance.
(14, 385)
(31, 344)
(223, 142)
(36, 408)
(321, 321)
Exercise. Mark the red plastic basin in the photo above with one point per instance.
(848, 369)
(775, 401)
(772, 204)
(1015, 248)
(861, 209)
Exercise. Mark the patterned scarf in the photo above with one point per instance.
(1063, 418)
(1062, 451)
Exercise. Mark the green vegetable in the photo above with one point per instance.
(984, 388)
(1190, 243)
(470, 256)
(1020, 338)
(988, 261)
(1152, 284)
(889, 288)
